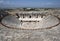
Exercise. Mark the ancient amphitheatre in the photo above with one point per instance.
(43, 25)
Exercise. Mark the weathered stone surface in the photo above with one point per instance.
(7, 34)
(47, 22)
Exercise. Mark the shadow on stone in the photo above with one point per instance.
(3, 14)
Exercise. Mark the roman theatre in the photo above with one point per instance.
(30, 21)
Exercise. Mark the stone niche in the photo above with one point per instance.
(30, 17)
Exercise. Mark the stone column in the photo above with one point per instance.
(36, 15)
(23, 15)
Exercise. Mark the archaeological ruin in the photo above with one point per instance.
(30, 21)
